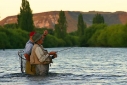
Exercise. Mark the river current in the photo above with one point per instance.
(75, 66)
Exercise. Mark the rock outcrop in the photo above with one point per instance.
(49, 19)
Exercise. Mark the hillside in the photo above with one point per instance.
(49, 19)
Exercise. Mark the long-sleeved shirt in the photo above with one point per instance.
(40, 54)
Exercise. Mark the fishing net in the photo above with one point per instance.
(22, 60)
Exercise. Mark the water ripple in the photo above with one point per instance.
(77, 66)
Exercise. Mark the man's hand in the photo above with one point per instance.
(27, 57)
(55, 55)
(52, 53)
(45, 32)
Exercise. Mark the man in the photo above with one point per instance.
(27, 52)
(39, 57)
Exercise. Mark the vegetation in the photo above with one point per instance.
(61, 27)
(25, 20)
(13, 36)
(81, 25)
(97, 35)
(101, 35)
(98, 19)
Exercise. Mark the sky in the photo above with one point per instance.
(12, 7)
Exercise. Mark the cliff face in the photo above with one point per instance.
(49, 19)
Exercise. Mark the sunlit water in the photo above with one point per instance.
(75, 66)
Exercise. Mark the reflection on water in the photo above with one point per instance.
(76, 66)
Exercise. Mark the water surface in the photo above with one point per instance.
(75, 66)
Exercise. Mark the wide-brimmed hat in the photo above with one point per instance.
(36, 37)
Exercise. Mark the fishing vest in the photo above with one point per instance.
(34, 59)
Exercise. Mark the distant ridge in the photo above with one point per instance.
(49, 19)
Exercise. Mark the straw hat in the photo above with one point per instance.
(36, 37)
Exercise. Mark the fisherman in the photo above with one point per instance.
(39, 57)
(27, 52)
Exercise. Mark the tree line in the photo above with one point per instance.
(14, 36)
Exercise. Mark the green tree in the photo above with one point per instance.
(25, 20)
(81, 25)
(98, 19)
(91, 35)
(50, 41)
(3, 40)
(117, 35)
(12, 26)
(97, 29)
(61, 27)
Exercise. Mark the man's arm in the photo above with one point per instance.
(45, 33)
(40, 54)
(27, 50)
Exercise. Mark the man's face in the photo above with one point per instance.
(41, 40)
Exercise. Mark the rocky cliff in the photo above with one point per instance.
(49, 19)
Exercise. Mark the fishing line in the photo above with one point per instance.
(64, 49)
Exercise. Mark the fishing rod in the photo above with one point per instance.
(21, 51)
(64, 49)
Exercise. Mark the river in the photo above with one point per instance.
(75, 66)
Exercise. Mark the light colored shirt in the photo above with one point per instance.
(40, 54)
(28, 47)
